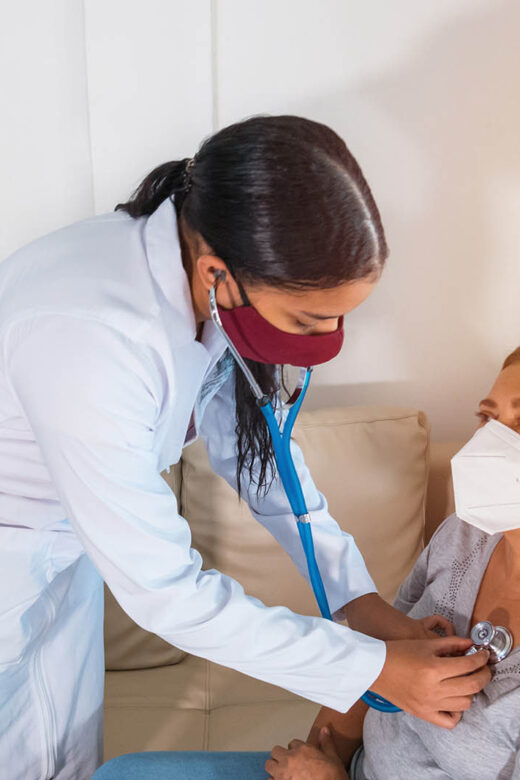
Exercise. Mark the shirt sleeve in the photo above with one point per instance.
(516, 768)
(342, 567)
(92, 398)
(412, 588)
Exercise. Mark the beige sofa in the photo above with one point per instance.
(385, 483)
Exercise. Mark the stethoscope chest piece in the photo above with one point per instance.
(497, 639)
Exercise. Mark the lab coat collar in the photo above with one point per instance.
(164, 257)
(163, 251)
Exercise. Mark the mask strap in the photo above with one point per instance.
(243, 294)
(220, 276)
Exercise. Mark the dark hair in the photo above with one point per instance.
(283, 202)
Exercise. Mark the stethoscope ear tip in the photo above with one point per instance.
(220, 275)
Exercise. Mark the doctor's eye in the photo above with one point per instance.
(304, 325)
(483, 417)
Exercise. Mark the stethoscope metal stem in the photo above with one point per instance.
(213, 309)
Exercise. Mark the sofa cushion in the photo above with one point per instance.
(371, 463)
(156, 709)
(127, 645)
(198, 705)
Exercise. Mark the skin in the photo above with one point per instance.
(288, 310)
(417, 674)
(498, 601)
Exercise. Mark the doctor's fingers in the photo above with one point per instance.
(456, 705)
(450, 646)
(462, 665)
(433, 622)
(468, 685)
(446, 720)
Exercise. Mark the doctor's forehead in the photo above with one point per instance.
(506, 388)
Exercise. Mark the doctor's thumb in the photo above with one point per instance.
(450, 645)
(327, 743)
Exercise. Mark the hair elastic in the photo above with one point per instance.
(188, 172)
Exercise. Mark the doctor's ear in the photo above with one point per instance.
(213, 270)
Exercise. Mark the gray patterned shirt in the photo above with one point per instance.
(486, 743)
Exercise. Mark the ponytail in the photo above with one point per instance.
(168, 179)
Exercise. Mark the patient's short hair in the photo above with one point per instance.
(514, 357)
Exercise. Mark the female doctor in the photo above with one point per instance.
(110, 365)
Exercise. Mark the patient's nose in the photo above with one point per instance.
(512, 420)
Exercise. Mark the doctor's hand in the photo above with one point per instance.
(432, 679)
(301, 761)
(429, 627)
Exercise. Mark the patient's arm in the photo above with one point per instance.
(301, 761)
(346, 729)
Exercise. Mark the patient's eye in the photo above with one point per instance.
(483, 417)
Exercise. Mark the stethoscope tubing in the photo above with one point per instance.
(282, 448)
(281, 440)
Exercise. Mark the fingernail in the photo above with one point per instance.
(325, 731)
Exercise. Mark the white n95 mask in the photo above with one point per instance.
(486, 479)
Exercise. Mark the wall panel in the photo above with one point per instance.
(150, 88)
(425, 94)
(44, 147)
(426, 97)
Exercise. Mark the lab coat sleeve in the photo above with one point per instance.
(342, 567)
(92, 398)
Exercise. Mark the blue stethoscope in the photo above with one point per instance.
(281, 439)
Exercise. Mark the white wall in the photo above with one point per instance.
(424, 93)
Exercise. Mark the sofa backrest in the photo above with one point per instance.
(440, 502)
(372, 465)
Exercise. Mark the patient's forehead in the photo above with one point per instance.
(507, 385)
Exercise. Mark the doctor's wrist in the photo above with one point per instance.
(372, 615)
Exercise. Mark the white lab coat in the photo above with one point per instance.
(99, 373)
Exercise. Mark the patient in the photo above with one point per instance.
(466, 575)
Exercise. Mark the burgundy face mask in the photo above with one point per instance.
(255, 338)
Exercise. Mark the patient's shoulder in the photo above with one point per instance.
(455, 534)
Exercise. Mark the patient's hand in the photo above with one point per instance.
(301, 761)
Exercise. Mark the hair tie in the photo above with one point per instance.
(188, 173)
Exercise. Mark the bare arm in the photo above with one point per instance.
(346, 729)
(372, 615)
